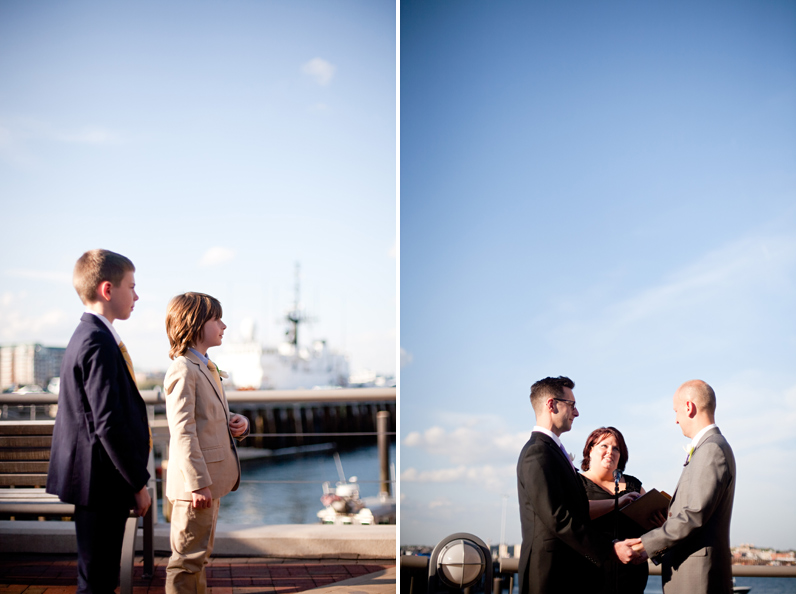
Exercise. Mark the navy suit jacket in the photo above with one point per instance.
(100, 445)
(561, 552)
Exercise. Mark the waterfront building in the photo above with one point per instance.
(26, 364)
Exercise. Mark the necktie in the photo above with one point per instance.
(127, 359)
(129, 362)
(564, 451)
(214, 371)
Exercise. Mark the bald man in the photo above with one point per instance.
(694, 543)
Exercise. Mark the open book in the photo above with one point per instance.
(642, 508)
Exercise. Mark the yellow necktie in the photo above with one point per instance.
(127, 359)
(214, 370)
(129, 362)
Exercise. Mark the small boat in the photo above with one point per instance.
(343, 505)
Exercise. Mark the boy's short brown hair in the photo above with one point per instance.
(95, 267)
(185, 318)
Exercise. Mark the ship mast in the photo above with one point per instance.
(296, 315)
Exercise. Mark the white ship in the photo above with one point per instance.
(286, 366)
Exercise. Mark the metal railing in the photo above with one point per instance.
(414, 573)
(257, 399)
(512, 566)
(156, 396)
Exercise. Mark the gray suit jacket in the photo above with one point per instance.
(694, 543)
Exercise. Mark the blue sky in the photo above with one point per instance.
(605, 191)
(216, 145)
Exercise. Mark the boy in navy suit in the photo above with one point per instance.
(101, 443)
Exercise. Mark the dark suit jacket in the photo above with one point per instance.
(560, 551)
(100, 442)
(694, 542)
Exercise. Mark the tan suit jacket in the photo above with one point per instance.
(202, 451)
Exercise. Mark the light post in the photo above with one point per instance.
(459, 561)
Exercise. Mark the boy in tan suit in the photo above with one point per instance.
(203, 464)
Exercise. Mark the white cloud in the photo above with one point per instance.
(467, 443)
(689, 310)
(492, 478)
(18, 326)
(320, 70)
(216, 255)
(740, 266)
(90, 135)
(19, 136)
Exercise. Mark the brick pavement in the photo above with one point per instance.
(57, 574)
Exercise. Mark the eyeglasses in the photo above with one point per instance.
(567, 402)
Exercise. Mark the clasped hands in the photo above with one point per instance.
(630, 550)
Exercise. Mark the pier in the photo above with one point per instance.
(38, 557)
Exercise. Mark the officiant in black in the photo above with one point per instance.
(604, 453)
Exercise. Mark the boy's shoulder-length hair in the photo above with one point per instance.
(94, 268)
(185, 317)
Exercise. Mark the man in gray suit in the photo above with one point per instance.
(694, 542)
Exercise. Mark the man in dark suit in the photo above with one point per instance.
(694, 543)
(560, 551)
(100, 442)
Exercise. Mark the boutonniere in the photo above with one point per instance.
(571, 457)
(221, 374)
(689, 449)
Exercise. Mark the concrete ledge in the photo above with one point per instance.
(294, 541)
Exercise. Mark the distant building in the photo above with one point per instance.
(25, 364)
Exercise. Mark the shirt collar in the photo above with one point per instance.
(205, 360)
(105, 321)
(549, 434)
(698, 436)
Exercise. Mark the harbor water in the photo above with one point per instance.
(288, 489)
(758, 585)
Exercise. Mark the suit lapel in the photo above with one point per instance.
(209, 376)
(95, 322)
(702, 440)
(559, 453)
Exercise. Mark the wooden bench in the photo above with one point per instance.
(24, 459)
